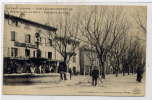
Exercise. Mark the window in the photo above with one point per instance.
(74, 59)
(27, 26)
(27, 52)
(38, 53)
(50, 42)
(45, 41)
(13, 36)
(14, 52)
(40, 39)
(28, 38)
(50, 55)
(9, 22)
(34, 55)
(14, 22)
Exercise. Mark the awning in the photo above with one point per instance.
(53, 61)
(38, 59)
(16, 59)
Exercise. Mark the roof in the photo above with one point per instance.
(50, 28)
(87, 48)
(67, 39)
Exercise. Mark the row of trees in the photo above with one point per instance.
(107, 30)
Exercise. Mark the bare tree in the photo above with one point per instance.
(65, 39)
(133, 57)
(118, 54)
(140, 19)
(103, 28)
(92, 57)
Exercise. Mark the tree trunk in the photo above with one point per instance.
(66, 67)
(123, 73)
(116, 73)
(128, 71)
(103, 70)
(102, 67)
(132, 69)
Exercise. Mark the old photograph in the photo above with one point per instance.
(74, 50)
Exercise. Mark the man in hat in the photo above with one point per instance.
(95, 75)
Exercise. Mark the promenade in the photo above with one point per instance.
(79, 85)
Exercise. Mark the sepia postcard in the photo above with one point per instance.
(74, 50)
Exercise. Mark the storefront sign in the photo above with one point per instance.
(31, 46)
(24, 45)
(19, 44)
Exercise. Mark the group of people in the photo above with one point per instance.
(95, 73)
(14, 67)
(63, 70)
(26, 67)
(11, 67)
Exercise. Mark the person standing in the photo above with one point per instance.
(95, 75)
(62, 71)
(70, 72)
(140, 71)
(32, 68)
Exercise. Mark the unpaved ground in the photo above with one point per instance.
(80, 85)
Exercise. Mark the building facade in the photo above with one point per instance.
(28, 42)
(25, 39)
(88, 59)
(74, 62)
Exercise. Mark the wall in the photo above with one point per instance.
(21, 30)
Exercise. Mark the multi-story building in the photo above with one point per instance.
(26, 41)
(74, 63)
(88, 59)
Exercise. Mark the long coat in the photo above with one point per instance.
(95, 73)
(62, 68)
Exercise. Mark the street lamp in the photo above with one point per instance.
(37, 35)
